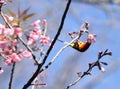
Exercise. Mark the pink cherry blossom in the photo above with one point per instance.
(30, 41)
(37, 31)
(7, 49)
(20, 50)
(37, 28)
(91, 38)
(21, 56)
(14, 42)
(36, 23)
(45, 37)
(44, 40)
(2, 45)
(27, 54)
(4, 39)
(3, 42)
(8, 31)
(44, 22)
(2, 29)
(15, 57)
(2, 2)
(9, 18)
(18, 31)
(8, 61)
(34, 36)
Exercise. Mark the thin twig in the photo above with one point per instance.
(50, 48)
(44, 30)
(29, 49)
(87, 72)
(11, 76)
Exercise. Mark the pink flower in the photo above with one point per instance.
(27, 54)
(30, 41)
(36, 23)
(14, 42)
(3, 42)
(91, 38)
(20, 50)
(8, 61)
(9, 18)
(2, 2)
(20, 55)
(45, 37)
(45, 40)
(44, 22)
(18, 31)
(2, 45)
(37, 28)
(4, 30)
(8, 50)
(8, 31)
(15, 57)
(34, 36)
(2, 27)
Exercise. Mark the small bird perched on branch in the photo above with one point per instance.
(78, 44)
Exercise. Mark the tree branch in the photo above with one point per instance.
(29, 49)
(11, 76)
(91, 66)
(50, 48)
(59, 31)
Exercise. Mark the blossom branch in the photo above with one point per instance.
(29, 49)
(59, 31)
(50, 48)
(11, 77)
(44, 34)
(91, 66)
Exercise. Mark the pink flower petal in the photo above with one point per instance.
(30, 41)
(15, 57)
(27, 54)
(18, 31)
(8, 61)
(36, 23)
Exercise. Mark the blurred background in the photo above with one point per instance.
(104, 19)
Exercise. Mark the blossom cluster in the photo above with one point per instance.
(38, 34)
(10, 51)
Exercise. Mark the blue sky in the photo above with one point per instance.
(104, 23)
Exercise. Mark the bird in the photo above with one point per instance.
(78, 45)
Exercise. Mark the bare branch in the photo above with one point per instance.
(11, 76)
(87, 72)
